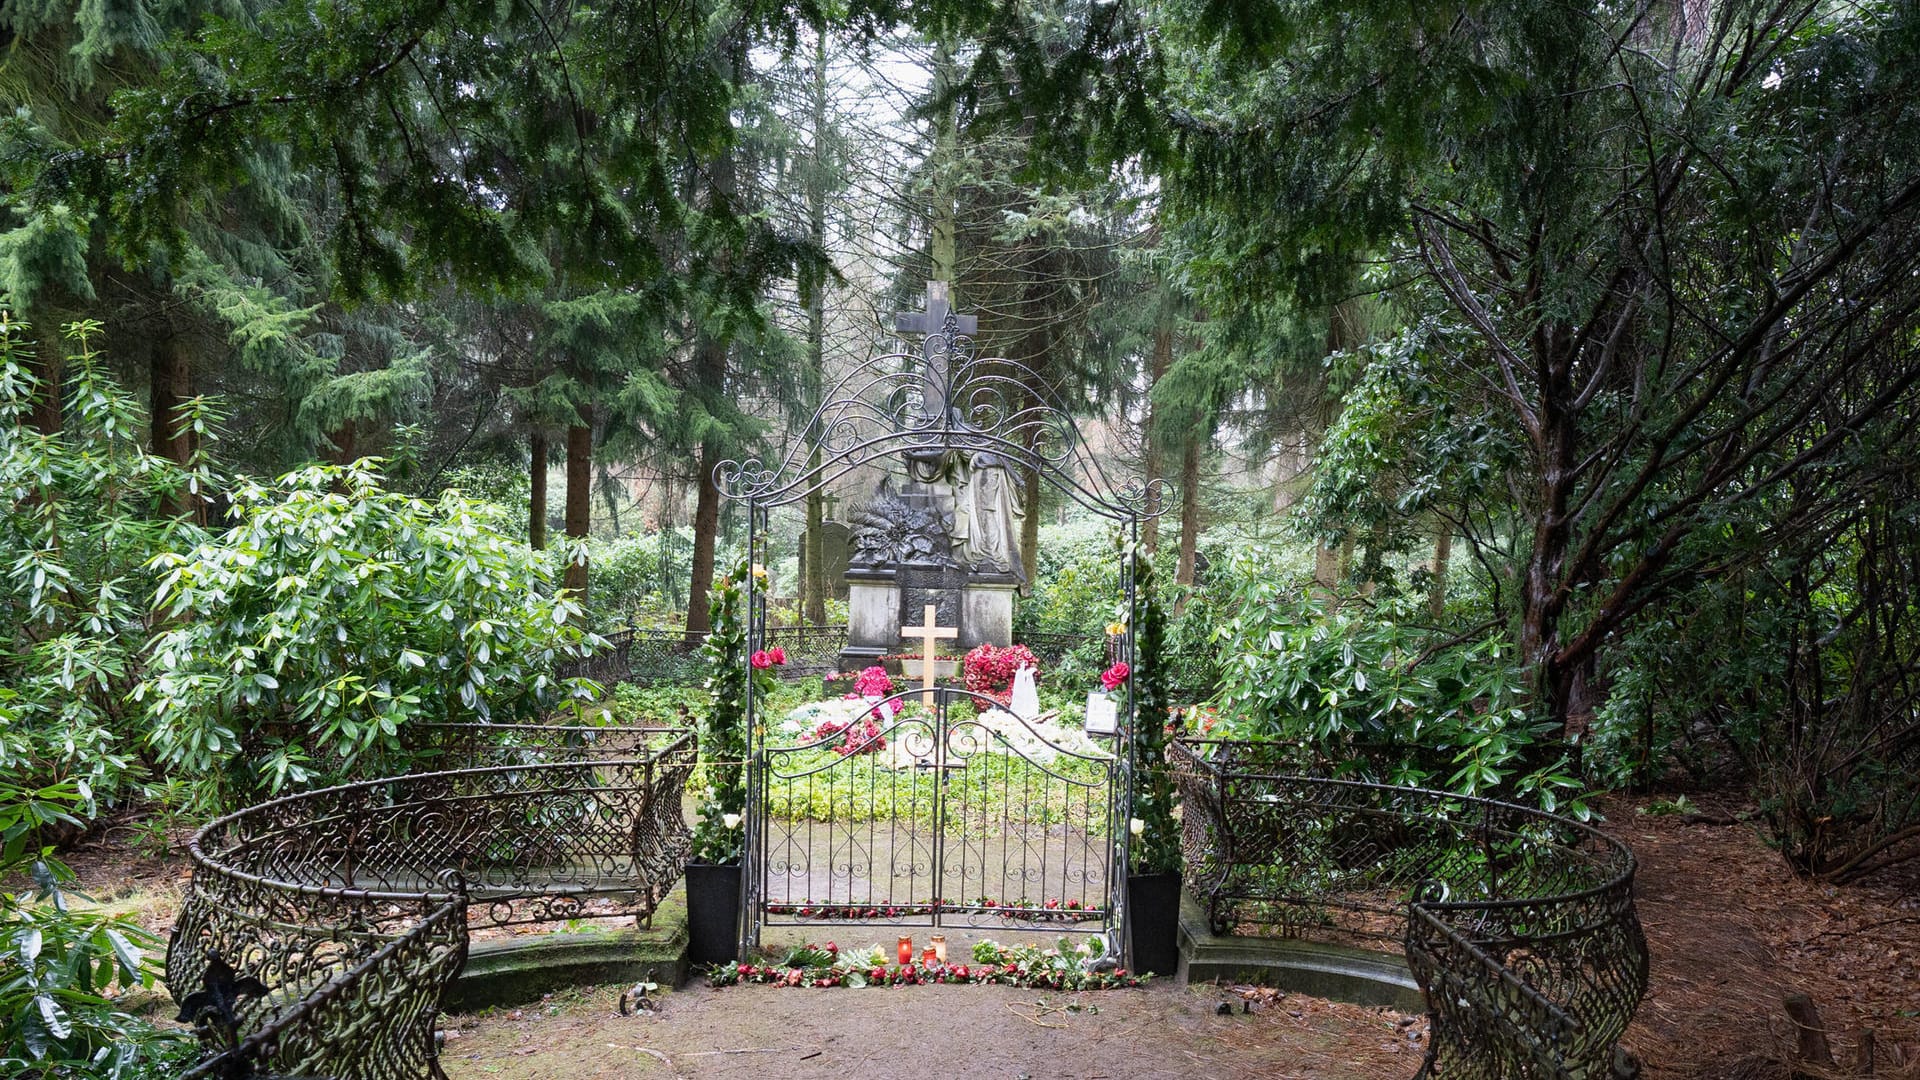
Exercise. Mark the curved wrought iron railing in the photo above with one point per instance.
(1518, 925)
(321, 931)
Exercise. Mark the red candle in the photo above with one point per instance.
(906, 950)
(926, 956)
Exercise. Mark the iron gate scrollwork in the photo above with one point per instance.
(923, 407)
(939, 816)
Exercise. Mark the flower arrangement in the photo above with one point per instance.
(1066, 967)
(873, 682)
(862, 736)
(989, 670)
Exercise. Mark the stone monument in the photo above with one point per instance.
(947, 539)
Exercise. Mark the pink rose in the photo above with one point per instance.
(777, 654)
(762, 659)
(1113, 677)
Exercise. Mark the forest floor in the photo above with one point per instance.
(1730, 932)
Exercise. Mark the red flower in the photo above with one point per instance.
(1113, 677)
(777, 654)
(761, 659)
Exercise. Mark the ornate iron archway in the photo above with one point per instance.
(928, 410)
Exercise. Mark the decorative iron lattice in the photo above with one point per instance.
(349, 908)
(1518, 925)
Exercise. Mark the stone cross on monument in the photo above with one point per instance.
(928, 632)
(930, 322)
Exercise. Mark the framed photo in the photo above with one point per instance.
(1103, 714)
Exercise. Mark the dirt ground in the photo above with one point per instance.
(1731, 934)
(1729, 931)
(1162, 1031)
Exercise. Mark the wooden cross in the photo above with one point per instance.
(827, 503)
(927, 633)
(930, 322)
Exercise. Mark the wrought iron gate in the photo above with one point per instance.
(939, 815)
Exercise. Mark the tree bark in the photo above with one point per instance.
(813, 583)
(346, 443)
(537, 491)
(706, 526)
(49, 366)
(1326, 568)
(1437, 585)
(169, 385)
(1155, 448)
(1189, 512)
(579, 497)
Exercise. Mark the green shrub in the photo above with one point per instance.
(1356, 688)
(79, 525)
(61, 968)
(333, 615)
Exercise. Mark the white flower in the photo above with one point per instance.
(1136, 826)
(731, 821)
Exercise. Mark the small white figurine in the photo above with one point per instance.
(1026, 699)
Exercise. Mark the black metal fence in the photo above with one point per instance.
(1518, 925)
(321, 931)
(651, 657)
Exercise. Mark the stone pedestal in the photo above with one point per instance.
(881, 601)
(986, 612)
(873, 618)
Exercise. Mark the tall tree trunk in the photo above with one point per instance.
(1437, 585)
(813, 579)
(706, 526)
(710, 375)
(537, 491)
(610, 491)
(346, 443)
(579, 497)
(1155, 440)
(813, 607)
(1030, 525)
(49, 367)
(170, 385)
(1189, 511)
(1326, 568)
(1541, 601)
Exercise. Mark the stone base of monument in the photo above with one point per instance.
(881, 601)
(986, 611)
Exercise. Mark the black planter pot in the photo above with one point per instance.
(713, 913)
(1153, 914)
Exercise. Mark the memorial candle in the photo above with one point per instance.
(906, 950)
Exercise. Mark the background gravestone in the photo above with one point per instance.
(836, 548)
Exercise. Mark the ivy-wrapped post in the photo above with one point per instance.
(719, 836)
(1153, 851)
